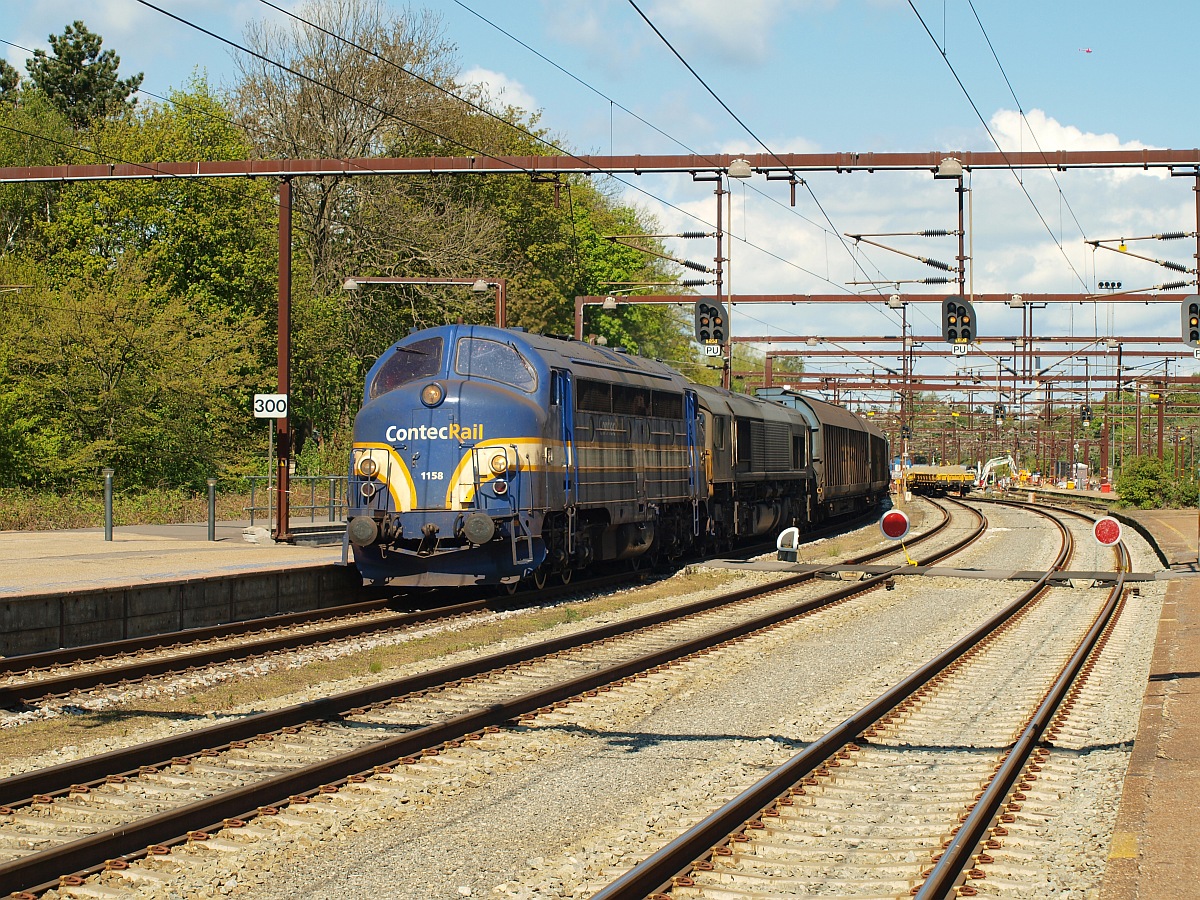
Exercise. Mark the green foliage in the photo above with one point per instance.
(151, 313)
(9, 78)
(26, 509)
(79, 79)
(213, 241)
(32, 133)
(1146, 482)
(17, 448)
(122, 374)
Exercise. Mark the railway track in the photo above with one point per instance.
(915, 792)
(62, 673)
(160, 793)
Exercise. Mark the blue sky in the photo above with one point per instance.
(818, 75)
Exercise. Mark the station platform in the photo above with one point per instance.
(1158, 826)
(43, 562)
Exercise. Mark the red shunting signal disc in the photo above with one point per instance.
(1107, 531)
(894, 524)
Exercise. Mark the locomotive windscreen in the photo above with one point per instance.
(481, 358)
(420, 359)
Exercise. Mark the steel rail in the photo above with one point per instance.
(26, 662)
(113, 674)
(128, 839)
(947, 874)
(656, 871)
(36, 872)
(19, 790)
(13, 695)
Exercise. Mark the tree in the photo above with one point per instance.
(370, 94)
(9, 79)
(81, 80)
(123, 374)
(211, 242)
(1146, 482)
(32, 133)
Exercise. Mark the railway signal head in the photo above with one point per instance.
(894, 525)
(1189, 312)
(1085, 415)
(999, 413)
(711, 322)
(958, 321)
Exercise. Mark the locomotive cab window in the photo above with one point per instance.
(481, 358)
(720, 429)
(420, 359)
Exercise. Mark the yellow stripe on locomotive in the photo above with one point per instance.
(382, 464)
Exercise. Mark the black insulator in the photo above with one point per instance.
(694, 266)
(1167, 264)
(1171, 235)
(938, 264)
(693, 282)
(1173, 285)
(935, 232)
(693, 234)
(936, 279)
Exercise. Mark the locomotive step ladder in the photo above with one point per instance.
(519, 533)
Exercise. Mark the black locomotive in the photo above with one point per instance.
(487, 455)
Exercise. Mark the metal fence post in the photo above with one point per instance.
(108, 515)
(212, 509)
(332, 488)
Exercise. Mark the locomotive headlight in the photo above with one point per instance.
(499, 464)
(368, 489)
(500, 486)
(432, 394)
(367, 466)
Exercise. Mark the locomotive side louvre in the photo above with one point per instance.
(634, 457)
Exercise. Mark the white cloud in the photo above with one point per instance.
(1016, 248)
(1014, 133)
(737, 33)
(499, 88)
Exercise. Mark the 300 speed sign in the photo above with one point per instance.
(270, 406)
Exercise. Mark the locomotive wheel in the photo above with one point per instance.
(510, 587)
(539, 577)
(565, 575)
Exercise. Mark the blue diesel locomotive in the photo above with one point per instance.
(485, 455)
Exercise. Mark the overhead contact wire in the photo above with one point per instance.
(996, 143)
(750, 132)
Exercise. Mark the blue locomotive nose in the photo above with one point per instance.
(452, 469)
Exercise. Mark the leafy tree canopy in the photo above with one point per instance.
(9, 78)
(79, 79)
(1147, 482)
